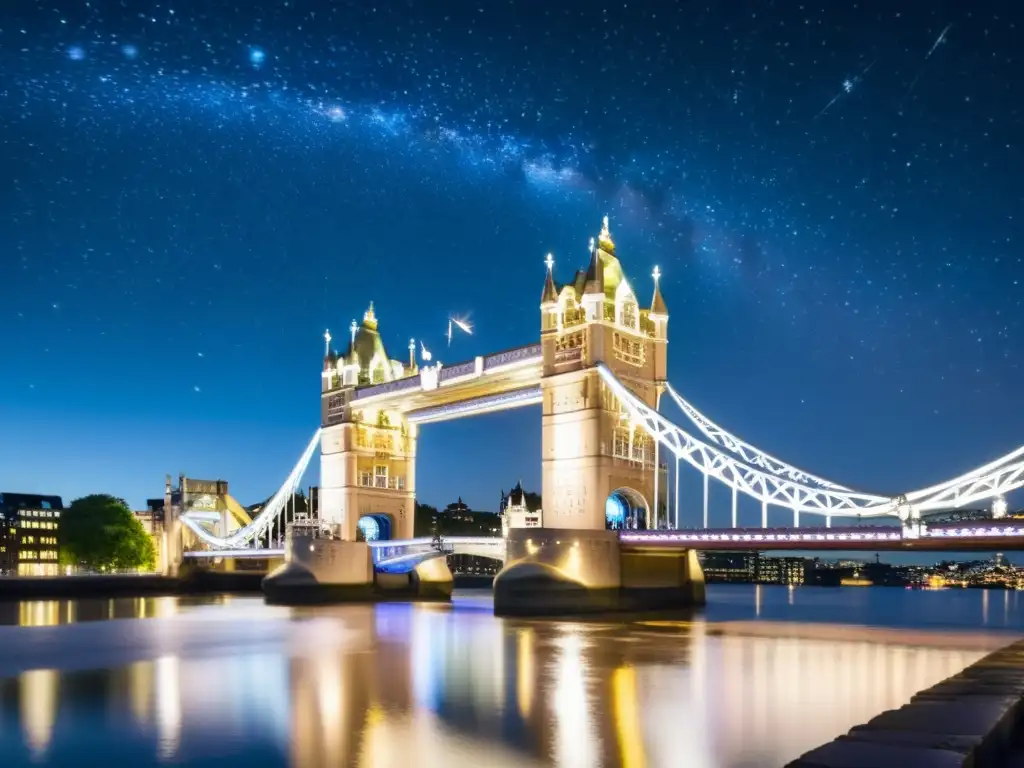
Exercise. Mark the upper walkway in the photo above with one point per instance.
(438, 392)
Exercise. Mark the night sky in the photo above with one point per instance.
(192, 193)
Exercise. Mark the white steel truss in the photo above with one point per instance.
(270, 512)
(994, 479)
(747, 452)
(746, 470)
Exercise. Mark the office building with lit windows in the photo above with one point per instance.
(30, 534)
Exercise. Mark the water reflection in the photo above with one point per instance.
(52, 613)
(400, 685)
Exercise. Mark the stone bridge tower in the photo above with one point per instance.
(367, 454)
(592, 452)
(590, 449)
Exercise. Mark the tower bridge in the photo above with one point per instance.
(599, 373)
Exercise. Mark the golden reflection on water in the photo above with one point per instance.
(52, 613)
(402, 685)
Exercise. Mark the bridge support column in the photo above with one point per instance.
(321, 570)
(550, 572)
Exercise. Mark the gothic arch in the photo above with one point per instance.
(626, 508)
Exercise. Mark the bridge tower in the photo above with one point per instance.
(367, 455)
(599, 469)
(367, 478)
(590, 453)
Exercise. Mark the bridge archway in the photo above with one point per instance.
(626, 509)
(375, 527)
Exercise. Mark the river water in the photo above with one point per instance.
(760, 676)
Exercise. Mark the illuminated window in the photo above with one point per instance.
(28, 539)
(629, 314)
(628, 350)
(620, 446)
(572, 314)
(643, 448)
(380, 476)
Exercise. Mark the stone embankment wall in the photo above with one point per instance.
(974, 719)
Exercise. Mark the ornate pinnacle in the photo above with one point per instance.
(550, 261)
(656, 274)
(327, 343)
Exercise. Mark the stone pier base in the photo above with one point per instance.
(319, 571)
(562, 572)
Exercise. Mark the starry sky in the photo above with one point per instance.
(192, 193)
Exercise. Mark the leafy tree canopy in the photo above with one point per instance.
(100, 532)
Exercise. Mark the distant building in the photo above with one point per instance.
(735, 567)
(515, 512)
(781, 570)
(29, 542)
(153, 521)
(458, 511)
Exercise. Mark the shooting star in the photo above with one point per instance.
(460, 323)
(924, 64)
(848, 85)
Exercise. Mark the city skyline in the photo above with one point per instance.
(192, 212)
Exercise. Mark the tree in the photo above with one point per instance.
(425, 520)
(99, 532)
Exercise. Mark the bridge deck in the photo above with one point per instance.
(972, 537)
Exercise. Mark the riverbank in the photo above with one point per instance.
(974, 718)
(127, 585)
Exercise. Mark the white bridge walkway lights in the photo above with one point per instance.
(723, 457)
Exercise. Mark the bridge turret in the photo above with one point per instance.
(596, 319)
(367, 452)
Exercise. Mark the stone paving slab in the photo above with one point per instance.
(860, 754)
(965, 745)
(972, 719)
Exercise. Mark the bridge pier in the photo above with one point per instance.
(320, 570)
(561, 572)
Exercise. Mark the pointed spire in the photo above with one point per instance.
(550, 295)
(352, 328)
(327, 343)
(605, 239)
(595, 270)
(369, 318)
(658, 308)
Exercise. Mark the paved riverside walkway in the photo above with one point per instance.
(974, 719)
